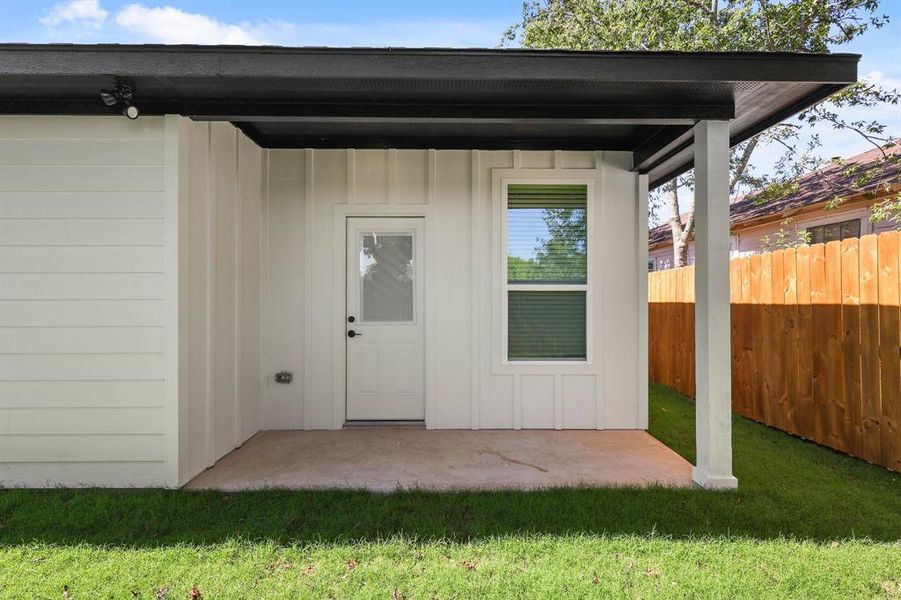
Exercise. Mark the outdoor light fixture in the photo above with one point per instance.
(122, 94)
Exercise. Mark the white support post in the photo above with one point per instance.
(642, 250)
(713, 354)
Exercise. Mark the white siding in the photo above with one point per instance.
(220, 178)
(83, 301)
(312, 191)
(129, 285)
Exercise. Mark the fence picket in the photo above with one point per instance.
(816, 341)
(890, 349)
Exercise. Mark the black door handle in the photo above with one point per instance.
(353, 333)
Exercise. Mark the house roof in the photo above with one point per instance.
(643, 102)
(818, 187)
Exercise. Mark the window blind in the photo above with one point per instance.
(546, 325)
(547, 245)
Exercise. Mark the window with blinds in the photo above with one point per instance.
(546, 284)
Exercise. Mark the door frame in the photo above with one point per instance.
(340, 214)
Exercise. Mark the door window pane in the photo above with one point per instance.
(386, 277)
(547, 234)
(546, 325)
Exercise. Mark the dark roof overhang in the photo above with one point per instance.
(642, 102)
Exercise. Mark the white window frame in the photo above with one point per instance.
(587, 287)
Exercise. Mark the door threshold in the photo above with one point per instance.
(357, 424)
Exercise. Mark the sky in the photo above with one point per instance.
(410, 23)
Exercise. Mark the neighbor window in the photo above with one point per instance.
(547, 272)
(834, 231)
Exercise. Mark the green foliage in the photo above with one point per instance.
(788, 236)
(684, 25)
(725, 25)
(887, 210)
(560, 256)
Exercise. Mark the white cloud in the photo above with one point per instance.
(880, 78)
(171, 25)
(86, 20)
(86, 13)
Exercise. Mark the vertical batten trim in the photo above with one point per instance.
(263, 291)
(431, 250)
(392, 176)
(642, 250)
(172, 447)
(351, 190)
(209, 263)
(517, 401)
(517, 159)
(475, 313)
(558, 159)
(433, 167)
(596, 264)
(238, 270)
(309, 246)
(558, 401)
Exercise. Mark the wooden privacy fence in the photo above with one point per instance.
(816, 341)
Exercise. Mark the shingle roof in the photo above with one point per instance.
(833, 181)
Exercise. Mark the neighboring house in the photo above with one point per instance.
(302, 238)
(812, 208)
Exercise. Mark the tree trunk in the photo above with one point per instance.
(681, 232)
(680, 252)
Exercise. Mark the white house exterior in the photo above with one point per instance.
(169, 285)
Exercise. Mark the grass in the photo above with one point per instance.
(805, 521)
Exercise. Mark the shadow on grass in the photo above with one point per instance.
(788, 488)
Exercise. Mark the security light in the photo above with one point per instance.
(123, 94)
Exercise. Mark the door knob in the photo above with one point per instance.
(353, 333)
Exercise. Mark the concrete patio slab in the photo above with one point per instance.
(385, 459)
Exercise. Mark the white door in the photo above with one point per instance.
(384, 320)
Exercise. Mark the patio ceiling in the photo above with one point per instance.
(643, 102)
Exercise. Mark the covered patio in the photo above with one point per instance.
(384, 459)
(479, 217)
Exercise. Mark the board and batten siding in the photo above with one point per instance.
(94, 238)
(310, 194)
(221, 180)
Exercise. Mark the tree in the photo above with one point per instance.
(727, 25)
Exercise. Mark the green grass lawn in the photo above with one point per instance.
(805, 522)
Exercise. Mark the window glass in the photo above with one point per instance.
(386, 277)
(547, 245)
(831, 232)
(546, 233)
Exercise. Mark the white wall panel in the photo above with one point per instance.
(537, 401)
(32, 204)
(81, 313)
(620, 301)
(80, 394)
(579, 401)
(82, 340)
(81, 259)
(85, 421)
(312, 191)
(81, 301)
(221, 180)
(129, 258)
(72, 232)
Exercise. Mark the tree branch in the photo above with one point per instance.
(743, 163)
